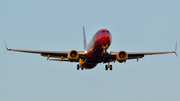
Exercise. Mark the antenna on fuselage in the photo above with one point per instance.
(84, 37)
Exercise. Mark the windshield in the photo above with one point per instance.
(103, 32)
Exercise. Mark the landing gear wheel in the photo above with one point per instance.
(106, 67)
(82, 68)
(110, 67)
(77, 67)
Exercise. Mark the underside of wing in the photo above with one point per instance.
(122, 56)
(58, 55)
(134, 55)
(39, 52)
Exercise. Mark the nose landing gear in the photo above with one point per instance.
(104, 46)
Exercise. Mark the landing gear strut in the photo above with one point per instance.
(108, 66)
(80, 64)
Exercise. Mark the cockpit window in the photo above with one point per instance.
(105, 32)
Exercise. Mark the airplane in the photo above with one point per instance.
(95, 52)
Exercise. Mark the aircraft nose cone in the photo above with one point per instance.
(107, 39)
(106, 36)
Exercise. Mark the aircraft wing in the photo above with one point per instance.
(61, 55)
(39, 52)
(134, 55)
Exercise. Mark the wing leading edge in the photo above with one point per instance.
(137, 55)
(61, 55)
(133, 55)
(152, 53)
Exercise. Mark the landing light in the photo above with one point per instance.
(109, 52)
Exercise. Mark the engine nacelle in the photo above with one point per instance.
(73, 55)
(121, 56)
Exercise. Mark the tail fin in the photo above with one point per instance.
(84, 37)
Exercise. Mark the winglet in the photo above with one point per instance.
(6, 45)
(176, 46)
(176, 50)
(84, 37)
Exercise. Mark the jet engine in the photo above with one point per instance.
(121, 56)
(73, 55)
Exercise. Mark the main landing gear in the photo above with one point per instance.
(78, 67)
(80, 64)
(108, 66)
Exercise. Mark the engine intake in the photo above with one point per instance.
(121, 56)
(73, 55)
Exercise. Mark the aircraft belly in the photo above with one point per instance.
(94, 58)
(87, 65)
